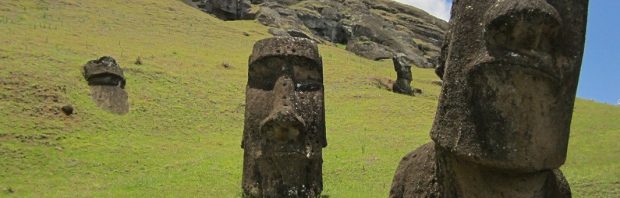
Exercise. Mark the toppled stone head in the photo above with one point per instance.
(104, 71)
(510, 80)
(403, 75)
(284, 130)
(107, 82)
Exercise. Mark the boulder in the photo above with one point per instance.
(369, 49)
(268, 17)
(228, 9)
(67, 109)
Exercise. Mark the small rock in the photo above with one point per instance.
(417, 91)
(246, 34)
(227, 65)
(67, 109)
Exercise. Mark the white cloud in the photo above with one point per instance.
(437, 8)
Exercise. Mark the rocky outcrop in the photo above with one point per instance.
(226, 9)
(366, 48)
(375, 29)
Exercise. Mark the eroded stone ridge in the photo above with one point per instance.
(107, 82)
(284, 129)
(374, 29)
(225, 9)
(503, 119)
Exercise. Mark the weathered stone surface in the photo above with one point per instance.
(284, 130)
(509, 81)
(369, 49)
(110, 98)
(431, 171)
(416, 175)
(225, 9)
(268, 17)
(509, 86)
(277, 32)
(104, 71)
(107, 84)
(403, 75)
(393, 27)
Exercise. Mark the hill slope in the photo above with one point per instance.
(182, 135)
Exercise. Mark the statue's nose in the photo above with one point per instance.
(283, 123)
(284, 91)
(523, 25)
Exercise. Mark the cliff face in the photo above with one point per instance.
(375, 29)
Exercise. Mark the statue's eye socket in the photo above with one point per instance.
(308, 85)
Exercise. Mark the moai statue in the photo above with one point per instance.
(284, 130)
(441, 60)
(504, 113)
(403, 75)
(107, 84)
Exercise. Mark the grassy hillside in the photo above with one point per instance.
(182, 136)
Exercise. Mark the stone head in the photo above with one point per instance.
(107, 84)
(284, 97)
(402, 67)
(511, 75)
(104, 71)
(284, 130)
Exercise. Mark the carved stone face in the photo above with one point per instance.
(284, 120)
(403, 75)
(510, 82)
(107, 84)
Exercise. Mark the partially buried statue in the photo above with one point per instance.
(504, 113)
(284, 130)
(107, 84)
(403, 75)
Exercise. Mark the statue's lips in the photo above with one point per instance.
(282, 126)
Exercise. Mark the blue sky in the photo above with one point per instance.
(600, 72)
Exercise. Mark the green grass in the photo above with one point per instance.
(182, 136)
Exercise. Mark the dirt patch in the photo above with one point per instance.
(35, 100)
(382, 83)
(45, 139)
